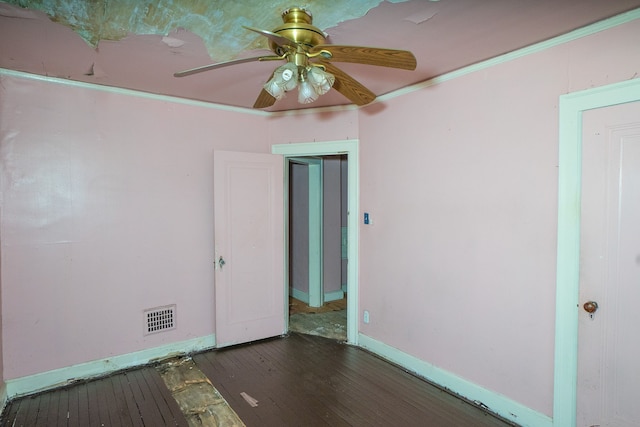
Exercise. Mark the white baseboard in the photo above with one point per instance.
(59, 377)
(328, 296)
(333, 296)
(494, 402)
(300, 295)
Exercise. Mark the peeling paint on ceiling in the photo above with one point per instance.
(140, 44)
(219, 22)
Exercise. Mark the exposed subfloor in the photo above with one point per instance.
(329, 321)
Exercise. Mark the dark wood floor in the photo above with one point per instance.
(305, 380)
(132, 398)
(299, 380)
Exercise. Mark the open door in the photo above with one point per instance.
(249, 247)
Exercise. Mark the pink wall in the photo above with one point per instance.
(308, 127)
(107, 211)
(459, 265)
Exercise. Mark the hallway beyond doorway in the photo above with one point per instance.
(329, 321)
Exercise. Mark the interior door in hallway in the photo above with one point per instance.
(608, 374)
(249, 247)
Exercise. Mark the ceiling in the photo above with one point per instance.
(138, 45)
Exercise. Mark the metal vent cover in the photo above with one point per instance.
(159, 319)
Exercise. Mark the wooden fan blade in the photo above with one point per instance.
(349, 87)
(276, 38)
(264, 99)
(393, 58)
(223, 64)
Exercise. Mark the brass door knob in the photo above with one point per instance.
(590, 307)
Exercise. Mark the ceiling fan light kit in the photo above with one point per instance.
(309, 64)
(311, 82)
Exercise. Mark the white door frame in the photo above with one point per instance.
(315, 225)
(350, 148)
(568, 265)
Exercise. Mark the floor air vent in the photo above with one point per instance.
(160, 319)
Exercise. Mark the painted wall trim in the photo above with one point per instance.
(333, 296)
(571, 108)
(130, 92)
(496, 403)
(350, 148)
(173, 99)
(59, 377)
(588, 30)
(317, 110)
(328, 296)
(300, 295)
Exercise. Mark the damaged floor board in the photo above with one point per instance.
(332, 324)
(198, 399)
(329, 321)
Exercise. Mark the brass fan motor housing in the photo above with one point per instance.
(298, 27)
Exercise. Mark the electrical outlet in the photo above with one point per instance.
(365, 316)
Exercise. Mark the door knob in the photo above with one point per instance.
(221, 262)
(590, 307)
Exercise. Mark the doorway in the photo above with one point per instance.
(317, 255)
(568, 303)
(347, 151)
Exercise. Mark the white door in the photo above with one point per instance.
(249, 247)
(609, 338)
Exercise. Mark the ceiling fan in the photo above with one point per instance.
(309, 62)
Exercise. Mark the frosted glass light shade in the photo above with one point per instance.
(274, 89)
(284, 79)
(320, 80)
(306, 92)
(287, 76)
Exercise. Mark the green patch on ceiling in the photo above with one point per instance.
(218, 22)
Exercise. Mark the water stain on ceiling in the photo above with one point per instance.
(140, 44)
(218, 23)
